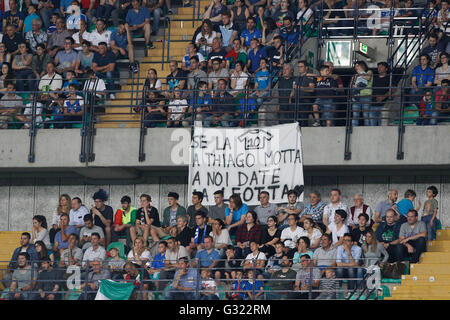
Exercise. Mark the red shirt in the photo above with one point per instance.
(254, 234)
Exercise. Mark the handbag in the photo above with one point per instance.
(393, 270)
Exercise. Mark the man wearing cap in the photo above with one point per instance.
(47, 282)
(172, 212)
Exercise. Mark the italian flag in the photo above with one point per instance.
(112, 290)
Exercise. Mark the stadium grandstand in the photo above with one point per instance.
(107, 105)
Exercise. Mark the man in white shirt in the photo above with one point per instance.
(94, 83)
(255, 259)
(81, 35)
(77, 213)
(50, 82)
(335, 204)
(96, 251)
(291, 234)
(100, 34)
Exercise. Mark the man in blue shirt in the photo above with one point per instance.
(30, 17)
(122, 45)
(289, 32)
(422, 76)
(255, 54)
(138, 19)
(62, 237)
(348, 259)
(185, 282)
(406, 204)
(14, 17)
(262, 82)
(228, 30)
(208, 257)
(103, 64)
(251, 32)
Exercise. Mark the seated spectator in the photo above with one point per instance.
(205, 37)
(139, 254)
(373, 250)
(406, 204)
(223, 109)
(51, 27)
(155, 109)
(77, 213)
(47, 286)
(184, 282)
(255, 259)
(348, 258)
(274, 261)
(88, 230)
(23, 278)
(314, 210)
(239, 79)
(98, 273)
(147, 221)
(359, 233)
(197, 198)
(124, 219)
(307, 279)
(334, 205)
(384, 206)
(104, 10)
(39, 61)
(81, 36)
(207, 257)
(25, 247)
(138, 278)
(270, 236)
(422, 76)
(228, 30)
(62, 237)
(412, 236)
(443, 16)
(250, 33)
(281, 12)
(290, 235)
(325, 90)
(102, 213)
(312, 232)
(94, 84)
(172, 212)
(338, 228)
(5, 57)
(235, 55)
(289, 32)
(217, 73)
(442, 72)
(304, 14)
(100, 34)
(10, 105)
(385, 18)
(73, 255)
(115, 264)
(325, 255)
(217, 211)
(302, 248)
(427, 106)
(122, 45)
(246, 233)
(21, 65)
(199, 233)
(36, 35)
(29, 19)
(70, 80)
(40, 232)
(220, 235)
(94, 252)
(238, 286)
(192, 51)
(208, 286)
(57, 39)
(217, 52)
(84, 60)
(254, 288)
(174, 251)
(11, 39)
(239, 15)
(13, 16)
(329, 286)
(228, 267)
(441, 101)
(215, 12)
(158, 263)
(357, 209)
(388, 235)
(138, 19)
(291, 207)
(176, 109)
(177, 77)
(361, 90)
(152, 82)
(255, 54)
(265, 209)
(6, 76)
(104, 64)
(50, 84)
(64, 206)
(235, 213)
(43, 252)
(433, 50)
(429, 213)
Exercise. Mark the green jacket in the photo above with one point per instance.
(181, 211)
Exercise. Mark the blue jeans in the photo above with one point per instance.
(361, 105)
(375, 116)
(350, 273)
(432, 121)
(109, 76)
(416, 99)
(22, 76)
(431, 232)
(260, 99)
(180, 295)
(325, 105)
(104, 11)
(156, 18)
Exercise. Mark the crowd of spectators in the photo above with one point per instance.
(240, 248)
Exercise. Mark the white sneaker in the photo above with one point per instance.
(316, 124)
(112, 96)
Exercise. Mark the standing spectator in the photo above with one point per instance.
(314, 210)
(172, 212)
(429, 214)
(77, 213)
(433, 50)
(290, 33)
(304, 92)
(334, 205)
(47, 286)
(197, 198)
(217, 211)
(361, 93)
(265, 209)
(359, 233)
(263, 84)
(235, 213)
(250, 33)
(412, 236)
(11, 39)
(269, 32)
(348, 258)
(357, 209)
(338, 227)
(122, 45)
(27, 23)
(285, 87)
(138, 18)
(10, 105)
(176, 109)
(380, 92)
(199, 233)
(246, 233)
(279, 281)
(94, 252)
(88, 230)
(373, 250)
(84, 60)
(406, 204)
(307, 279)
(291, 207)
(23, 278)
(383, 206)
(36, 35)
(312, 232)
(99, 35)
(21, 65)
(104, 64)
(427, 107)
(441, 101)
(103, 214)
(290, 235)
(325, 255)
(124, 219)
(326, 87)
(56, 40)
(13, 17)
(388, 235)
(270, 236)
(422, 76)
(62, 237)
(40, 232)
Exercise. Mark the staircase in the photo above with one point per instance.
(181, 33)
(430, 278)
(9, 241)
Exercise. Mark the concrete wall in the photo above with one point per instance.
(21, 199)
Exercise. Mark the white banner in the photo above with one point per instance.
(246, 161)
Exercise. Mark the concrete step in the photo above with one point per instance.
(435, 257)
(426, 277)
(443, 235)
(436, 268)
(184, 24)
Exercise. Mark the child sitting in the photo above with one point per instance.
(208, 286)
(328, 287)
(238, 286)
(254, 288)
(177, 108)
(115, 264)
(158, 263)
